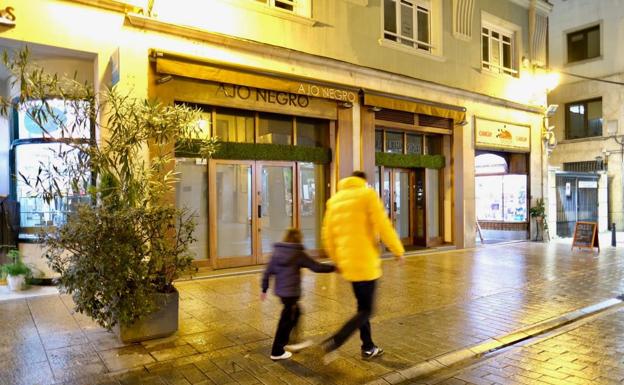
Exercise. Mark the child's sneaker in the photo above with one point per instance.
(294, 348)
(284, 356)
(374, 352)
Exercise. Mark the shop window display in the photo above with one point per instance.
(500, 196)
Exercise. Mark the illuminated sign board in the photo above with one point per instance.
(490, 134)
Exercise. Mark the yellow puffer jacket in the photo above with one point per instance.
(354, 221)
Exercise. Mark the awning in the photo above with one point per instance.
(417, 106)
(171, 64)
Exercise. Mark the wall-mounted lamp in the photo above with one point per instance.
(550, 111)
(374, 109)
(345, 104)
(164, 79)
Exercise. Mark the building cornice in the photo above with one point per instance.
(111, 5)
(541, 5)
(153, 24)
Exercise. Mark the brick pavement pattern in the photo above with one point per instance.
(435, 304)
(588, 355)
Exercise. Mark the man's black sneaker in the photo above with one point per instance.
(374, 352)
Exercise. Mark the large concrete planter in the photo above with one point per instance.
(161, 323)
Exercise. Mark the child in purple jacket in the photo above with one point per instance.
(287, 260)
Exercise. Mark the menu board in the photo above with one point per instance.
(586, 235)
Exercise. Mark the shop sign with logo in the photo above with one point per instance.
(490, 134)
(7, 17)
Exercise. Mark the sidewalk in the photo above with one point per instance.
(433, 305)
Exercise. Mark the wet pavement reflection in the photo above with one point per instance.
(435, 303)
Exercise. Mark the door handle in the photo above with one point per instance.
(259, 211)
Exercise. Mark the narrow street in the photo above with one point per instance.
(435, 304)
(588, 354)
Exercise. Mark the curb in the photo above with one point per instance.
(456, 357)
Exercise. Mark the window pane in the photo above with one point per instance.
(378, 141)
(276, 129)
(507, 56)
(312, 193)
(414, 144)
(485, 45)
(312, 132)
(56, 119)
(287, 5)
(390, 16)
(576, 121)
(434, 145)
(577, 47)
(423, 28)
(35, 211)
(593, 43)
(192, 194)
(433, 203)
(489, 197)
(235, 126)
(407, 23)
(515, 198)
(594, 118)
(394, 142)
(494, 52)
(233, 210)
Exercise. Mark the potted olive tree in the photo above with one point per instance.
(123, 242)
(16, 271)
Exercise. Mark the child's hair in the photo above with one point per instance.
(293, 235)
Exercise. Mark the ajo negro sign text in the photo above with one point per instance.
(262, 95)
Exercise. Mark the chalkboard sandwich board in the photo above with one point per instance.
(586, 235)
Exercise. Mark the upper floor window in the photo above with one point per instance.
(584, 119)
(408, 22)
(497, 47)
(300, 7)
(584, 44)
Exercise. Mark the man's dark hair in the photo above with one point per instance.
(359, 174)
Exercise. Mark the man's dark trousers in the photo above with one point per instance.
(364, 293)
(288, 320)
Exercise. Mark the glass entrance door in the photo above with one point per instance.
(251, 204)
(275, 205)
(398, 196)
(232, 223)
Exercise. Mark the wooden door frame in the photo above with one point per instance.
(234, 261)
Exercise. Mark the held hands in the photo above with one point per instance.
(401, 260)
(263, 296)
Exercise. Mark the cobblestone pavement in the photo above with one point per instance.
(434, 304)
(588, 355)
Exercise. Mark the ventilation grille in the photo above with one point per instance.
(587, 166)
(434, 121)
(395, 116)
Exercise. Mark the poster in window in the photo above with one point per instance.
(57, 120)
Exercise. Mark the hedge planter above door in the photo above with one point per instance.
(252, 151)
(409, 160)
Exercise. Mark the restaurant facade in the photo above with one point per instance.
(293, 120)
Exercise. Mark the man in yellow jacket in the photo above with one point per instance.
(354, 222)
